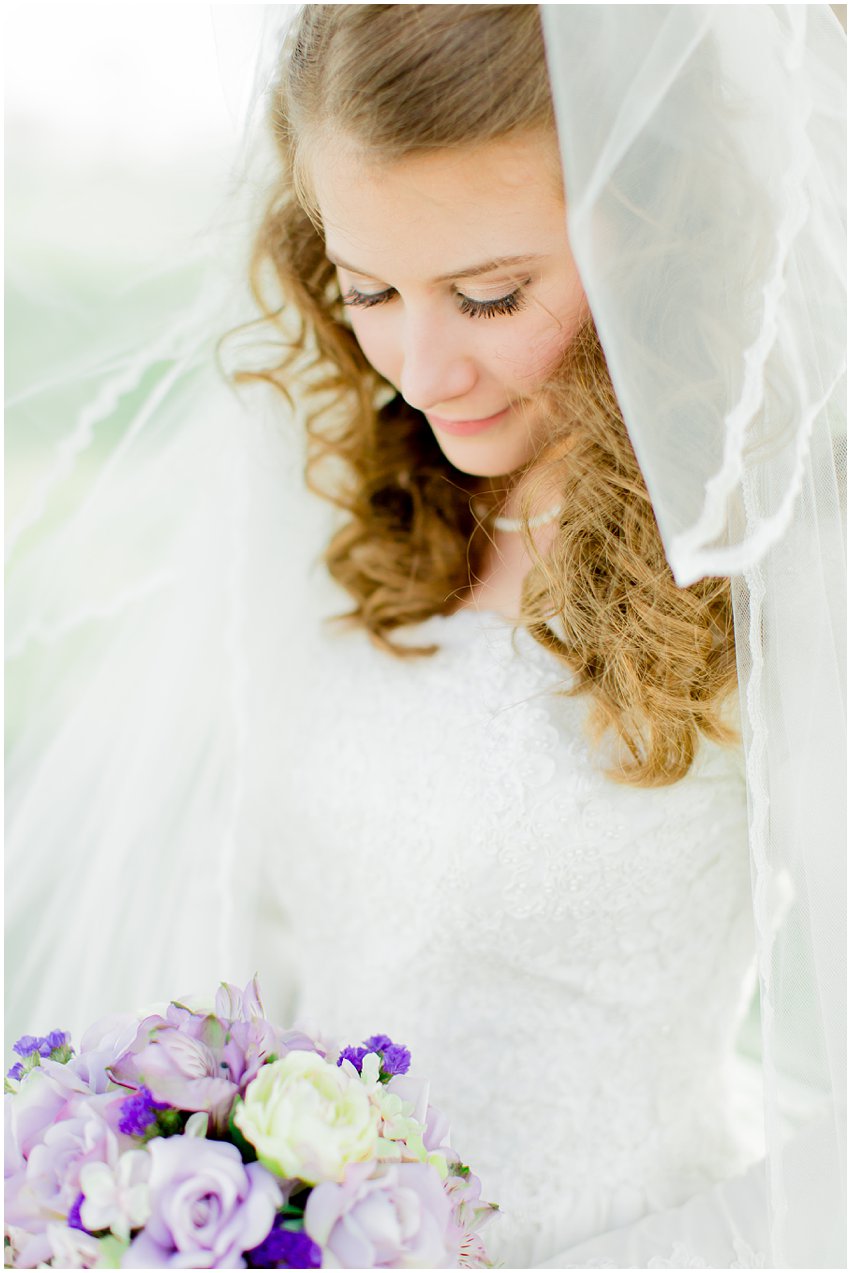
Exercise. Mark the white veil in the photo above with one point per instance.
(705, 193)
(706, 213)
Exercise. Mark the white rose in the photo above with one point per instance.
(308, 1119)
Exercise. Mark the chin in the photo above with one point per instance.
(482, 459)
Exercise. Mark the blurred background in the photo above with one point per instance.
(120, 138)
(125, 129)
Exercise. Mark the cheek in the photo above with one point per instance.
(534, 353)
(378, 344)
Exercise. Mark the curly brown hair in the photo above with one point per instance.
(656, 661)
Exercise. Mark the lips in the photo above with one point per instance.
(464, 428)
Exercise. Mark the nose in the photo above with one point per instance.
(436, 365)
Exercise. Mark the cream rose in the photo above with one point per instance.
(308, 1119)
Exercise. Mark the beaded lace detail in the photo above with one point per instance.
(565, 957)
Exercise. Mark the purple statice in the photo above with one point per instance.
(16, 1072)
(74, 1221)
(395, 1059)
(138, 1112)
(55, 1046)
(355, 1055)
(55, 1040)
(27, 1044)
(285, 1249)
(377, 1042)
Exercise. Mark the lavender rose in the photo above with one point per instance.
(395, 1216)
(207, 1209)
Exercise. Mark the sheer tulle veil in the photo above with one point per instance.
(706, 209)
(704, 165)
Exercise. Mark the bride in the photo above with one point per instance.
(480, 776)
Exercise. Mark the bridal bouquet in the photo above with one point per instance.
(217, 1140)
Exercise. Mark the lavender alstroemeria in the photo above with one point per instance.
(233, 1004)
(436, 1124)
(470, 1213)
(179, 1068)
(201, 1063)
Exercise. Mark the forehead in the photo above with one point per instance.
(426, 215)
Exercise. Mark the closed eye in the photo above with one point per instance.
(367, 299)
(510, 304)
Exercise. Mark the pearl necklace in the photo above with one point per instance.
(516, 523)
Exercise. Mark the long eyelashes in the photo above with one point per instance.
(366, 300)
(510, 304)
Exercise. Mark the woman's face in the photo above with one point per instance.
(462, 288)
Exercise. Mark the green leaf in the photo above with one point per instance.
(112, 1251)
(249, 1153)
(291, 1213)
(170, 1122)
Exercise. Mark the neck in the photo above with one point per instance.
(500, 497)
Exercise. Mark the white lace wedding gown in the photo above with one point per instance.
(567, 958)
(437, 854)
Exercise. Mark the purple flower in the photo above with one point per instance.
(355, 1055)
(43, 1100)
(206, 1207)
(395, 1059)
(197, 1062)
(415, 1091)
(26, 1044)
(16, 1072)
(74, 1221)
(464, 1191)
(179, 1067)
(386, 1216)
(29, 1043)
(139, 1112)
(47, 1186)
(240, 1005)
(285, 1249)
(377, 1043)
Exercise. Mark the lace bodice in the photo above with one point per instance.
(567, 958)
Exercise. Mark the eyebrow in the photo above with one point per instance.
(469, 271)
